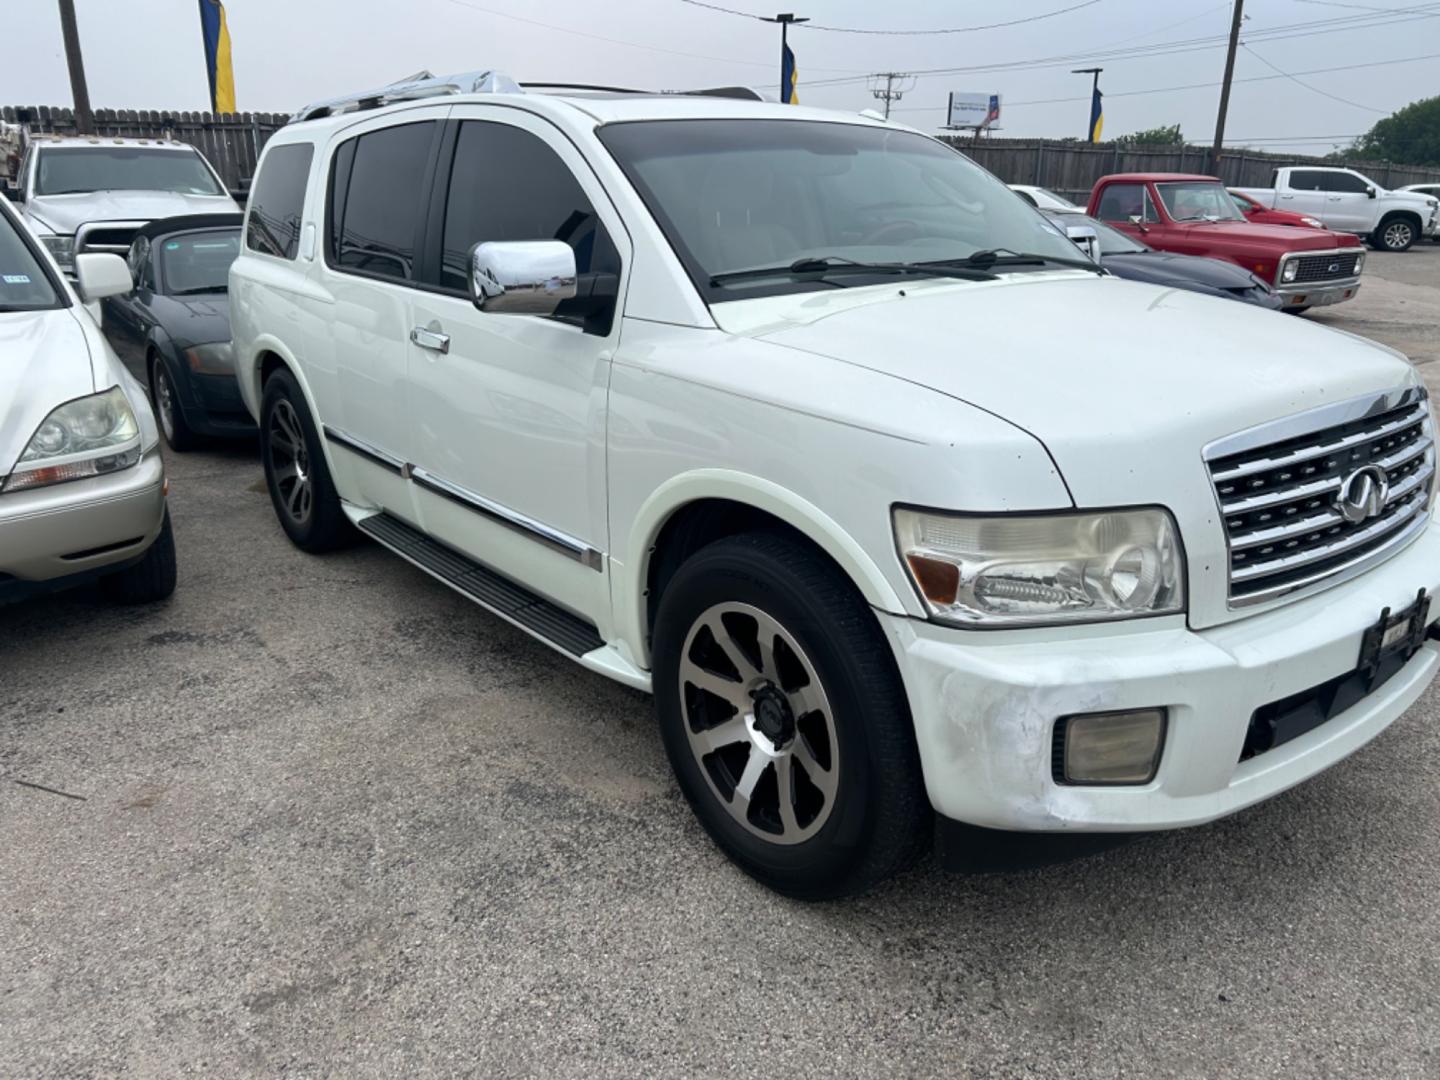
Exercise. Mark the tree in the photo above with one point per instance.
(1160, 136)
(1411, 136)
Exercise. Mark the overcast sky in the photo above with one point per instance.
(146, 54)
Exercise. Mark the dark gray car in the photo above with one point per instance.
(173, 330)
(1126, 257)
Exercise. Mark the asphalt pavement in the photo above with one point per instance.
(318, 816)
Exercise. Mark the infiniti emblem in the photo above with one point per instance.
(1362, 494)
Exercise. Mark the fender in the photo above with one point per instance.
(628, 577)
(249, 378)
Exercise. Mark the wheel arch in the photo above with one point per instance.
(270, 355)
(696, 508)
(1416, 222)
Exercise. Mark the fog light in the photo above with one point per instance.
(1109, 748)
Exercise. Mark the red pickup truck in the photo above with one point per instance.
(1194, 215)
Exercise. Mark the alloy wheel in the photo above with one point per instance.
(165, 403)
(290, 461)
(1397, 236)
(759, 723)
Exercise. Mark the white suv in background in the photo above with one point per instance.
(781, 414)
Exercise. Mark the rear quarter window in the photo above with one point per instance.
(277, 201)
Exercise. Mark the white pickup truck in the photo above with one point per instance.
(1348, 201)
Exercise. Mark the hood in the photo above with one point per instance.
(193, 320)
(1167, 268)
(44, 362)
(64, 214)
(1118, 379)
(1275, 237)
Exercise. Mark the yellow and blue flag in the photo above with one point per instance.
(1097, 117)
(789, 77)
(217, 56)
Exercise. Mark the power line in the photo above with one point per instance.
(903, 33)
(1190, 86)
(1313, 89)
(1169, 48)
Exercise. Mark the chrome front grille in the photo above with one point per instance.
(1281, 489)
(1330, 266)
(111, 236)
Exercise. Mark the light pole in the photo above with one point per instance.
(785, 20)
(1094, 97)
(84, 118)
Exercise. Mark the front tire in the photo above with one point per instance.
(1395, 234)
(785, 720)
(178, 434)
(151, 579)
(296, 473)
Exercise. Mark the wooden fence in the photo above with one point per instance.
(231, 141)
(1071, 169)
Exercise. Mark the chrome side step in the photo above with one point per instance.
(567, 632)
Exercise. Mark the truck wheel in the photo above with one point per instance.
(163, 396)
(1395, 234)
(149, 580)
(301, 490)
(785, 720)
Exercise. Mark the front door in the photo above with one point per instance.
(508, 411)
(1348, 204)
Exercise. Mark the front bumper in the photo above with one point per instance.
(53, 534)
(213, 406)
(1319, 294)
(985, 704)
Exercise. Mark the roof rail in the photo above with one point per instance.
(469, 82)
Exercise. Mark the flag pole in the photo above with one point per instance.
(784, 20)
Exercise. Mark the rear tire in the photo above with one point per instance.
(149, 580)
(798, 755)
(178, 435)
(296, 473)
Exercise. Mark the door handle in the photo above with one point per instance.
(1332, 198)
(433, 340)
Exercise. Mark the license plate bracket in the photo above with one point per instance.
(1392, 641)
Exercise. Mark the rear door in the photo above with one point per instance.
(1305, 194)
(509, 410)
(377, 193)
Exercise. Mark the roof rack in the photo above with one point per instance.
(423, 86)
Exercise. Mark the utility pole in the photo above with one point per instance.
(1225, 86)
(890, 93)
(1094, 89)
(784, 20)
(84, 118)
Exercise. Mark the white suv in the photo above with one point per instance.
(807, 424)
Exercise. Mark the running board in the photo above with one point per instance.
(568, 633)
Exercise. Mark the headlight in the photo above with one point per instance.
(1291, 268)
(82, 438)
(1314, 223)
(213, 359)
(1359, 262)
(62, 248)
(1015, 570)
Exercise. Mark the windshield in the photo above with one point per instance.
(63, 170)
(198, 262)
(24, 284)
(735, 195)
(1198, 202)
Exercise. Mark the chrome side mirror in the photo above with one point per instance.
(1086, 239)
(527, 277)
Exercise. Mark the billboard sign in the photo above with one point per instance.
(973, 110)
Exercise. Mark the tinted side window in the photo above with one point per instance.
(273, 226)
(1119, 202)
(506, 184)
(1344, 182)
(377, 203)
(1307, 180)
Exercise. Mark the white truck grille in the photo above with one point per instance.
(1324, 495)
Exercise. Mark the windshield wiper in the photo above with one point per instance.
(832, 264)
(1006, 257)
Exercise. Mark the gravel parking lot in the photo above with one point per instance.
(319, 816)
